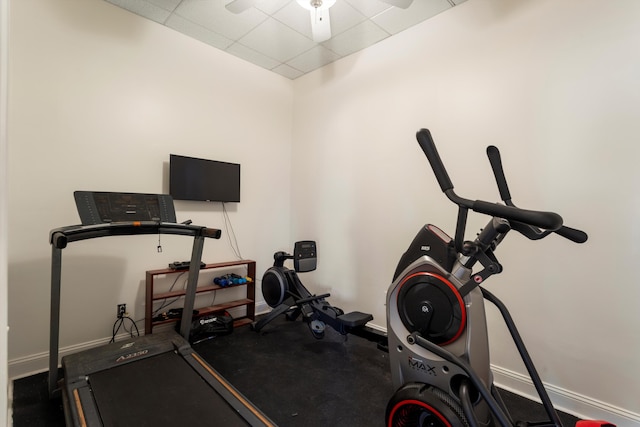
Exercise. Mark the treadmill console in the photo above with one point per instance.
(100, 207)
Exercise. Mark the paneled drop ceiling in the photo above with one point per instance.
(276, 34)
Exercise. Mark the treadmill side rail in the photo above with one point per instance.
(245, 408)
(61, 237)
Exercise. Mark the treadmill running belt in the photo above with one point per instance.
(159, 391)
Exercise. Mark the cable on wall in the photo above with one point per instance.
(231, 235)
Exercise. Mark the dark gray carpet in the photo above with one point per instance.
(292, 377)
(299, 380)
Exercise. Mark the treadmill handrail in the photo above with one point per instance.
(60, 237)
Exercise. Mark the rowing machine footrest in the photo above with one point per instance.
(355, 319)
(594, 423)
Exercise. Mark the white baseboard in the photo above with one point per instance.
(35, 363)
(583, 407)
(262, 308)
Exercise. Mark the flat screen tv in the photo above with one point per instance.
(191, 178)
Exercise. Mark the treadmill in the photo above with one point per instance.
(153, 380)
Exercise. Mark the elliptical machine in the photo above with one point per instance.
(285, 293)
(437, 331)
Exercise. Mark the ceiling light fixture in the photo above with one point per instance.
(319, 11)
(320, 20)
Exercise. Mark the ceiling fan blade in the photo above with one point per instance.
(403, 4)
(320, 25)
(239, 6)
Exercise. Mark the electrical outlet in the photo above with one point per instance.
(122, 310)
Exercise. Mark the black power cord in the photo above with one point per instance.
(120, 324)
(166, 302)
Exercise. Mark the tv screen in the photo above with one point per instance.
(191, 178)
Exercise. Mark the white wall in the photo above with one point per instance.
(4, 44)
(99, 98)
(555, 85)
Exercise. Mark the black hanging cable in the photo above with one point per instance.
(134, 326)
(165, 302)
(115, 330)
(213, 301)
(120, 324)
(135, 323)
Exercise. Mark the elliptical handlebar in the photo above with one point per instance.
(429, 147)
(527, 230)
(550, 221)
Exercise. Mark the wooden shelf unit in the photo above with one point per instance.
(248, 302)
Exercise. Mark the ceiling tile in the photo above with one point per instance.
(276, 40)
(190, 29)
(287, 71)
(213, 16)
(368, 8)
(344, 17)
(271, 6)
(355, 39)
(169, 5)
(293, 16)
(252, 56)
(276, 34)
(144, 9)
(395, 19)
(312, 59)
